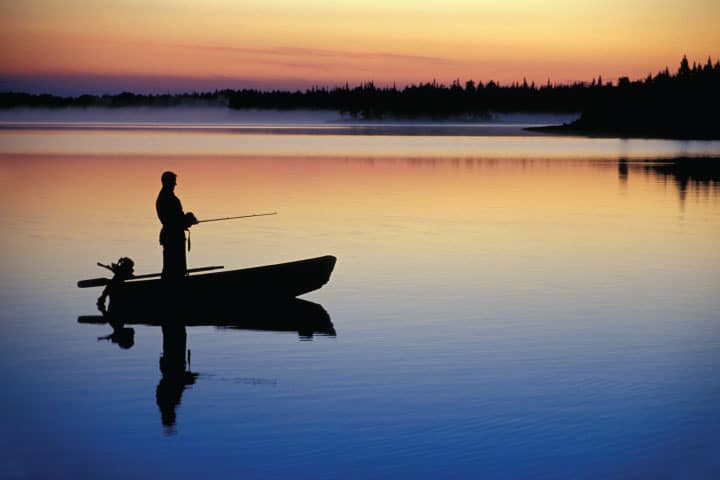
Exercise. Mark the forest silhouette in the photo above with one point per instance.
(677, 105)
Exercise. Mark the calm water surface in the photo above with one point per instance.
(505, 306)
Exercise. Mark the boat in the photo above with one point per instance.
(196, 293)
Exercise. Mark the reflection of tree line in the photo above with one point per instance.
(691, 91)
(699, 173)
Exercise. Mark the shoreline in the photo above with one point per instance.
(571, 130)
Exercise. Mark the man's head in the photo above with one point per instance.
(169, 179)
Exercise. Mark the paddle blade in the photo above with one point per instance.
(93, 282)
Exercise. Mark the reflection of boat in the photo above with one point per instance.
(305, 318)
(282, 281)
(294, 315)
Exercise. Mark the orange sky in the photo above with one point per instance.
(175, 45)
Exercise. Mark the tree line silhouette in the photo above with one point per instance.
(367, 100)
(125, 99)
(683, 105)
(665, 104)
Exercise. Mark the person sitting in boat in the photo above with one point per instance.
(174, 223)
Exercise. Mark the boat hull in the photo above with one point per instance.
(194, 294)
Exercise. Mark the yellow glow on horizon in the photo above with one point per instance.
(329, 43)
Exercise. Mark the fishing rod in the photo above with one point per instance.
(228, 218)
(240, 216)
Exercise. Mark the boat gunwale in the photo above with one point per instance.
(248, 270)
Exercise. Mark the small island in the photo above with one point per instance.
(681, 106)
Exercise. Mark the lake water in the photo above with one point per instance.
(506, 305)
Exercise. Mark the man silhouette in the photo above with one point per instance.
(175, 222)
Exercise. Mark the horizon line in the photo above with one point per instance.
(79, 83)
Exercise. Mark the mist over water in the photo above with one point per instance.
(222, 116)
(504, 306)
(182, 115)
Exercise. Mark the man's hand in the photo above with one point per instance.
(190, 219)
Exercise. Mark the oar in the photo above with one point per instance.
(239, 216)
(101, 282)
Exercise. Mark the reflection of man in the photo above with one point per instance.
(175, 222)
(175, 372)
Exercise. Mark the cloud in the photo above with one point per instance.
(79, 83)
(283, 51)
